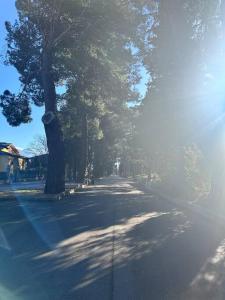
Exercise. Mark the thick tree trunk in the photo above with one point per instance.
(55, 182)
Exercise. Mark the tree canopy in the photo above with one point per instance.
(85, 46)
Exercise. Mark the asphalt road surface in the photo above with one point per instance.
(110, 241)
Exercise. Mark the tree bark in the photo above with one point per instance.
(55, 181)
(83, 160)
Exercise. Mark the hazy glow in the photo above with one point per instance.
(3, 241)
(6, 294)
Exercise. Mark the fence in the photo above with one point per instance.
(24, 175)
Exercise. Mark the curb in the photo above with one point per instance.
(38, 195)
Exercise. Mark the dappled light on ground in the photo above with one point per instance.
(96, 246)
(209, 282)
(108, 238)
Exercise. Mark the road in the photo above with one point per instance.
(109, 242)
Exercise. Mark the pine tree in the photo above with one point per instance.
(49, 45)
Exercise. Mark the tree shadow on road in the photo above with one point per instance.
(104, 242)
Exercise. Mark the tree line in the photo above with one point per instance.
(85, 46)
(179, 130)
(96, 51)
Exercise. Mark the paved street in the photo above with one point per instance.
(110, 241)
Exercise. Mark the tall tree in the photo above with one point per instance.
(185, 39)
(48, 46)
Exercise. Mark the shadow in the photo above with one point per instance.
(111, 241)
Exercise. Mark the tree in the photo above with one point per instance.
(185, 39)
(38, 146)
(103, 84)
(92, 139)
(48, 46)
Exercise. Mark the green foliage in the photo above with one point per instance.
(184, 46)
(15, 109)
(196, 174)
(86, 46)
(86, 40)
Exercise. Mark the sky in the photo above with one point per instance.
(22, 135)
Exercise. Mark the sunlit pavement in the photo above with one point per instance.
(35, 185)
(111, 241)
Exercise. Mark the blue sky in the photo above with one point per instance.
(21, 136)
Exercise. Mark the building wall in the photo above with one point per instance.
(4, 160)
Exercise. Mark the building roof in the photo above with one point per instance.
(4, 145)
(8, 149)
(3, 153)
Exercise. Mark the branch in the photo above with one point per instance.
(62, 34)
(59, 38)
(25, 85)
